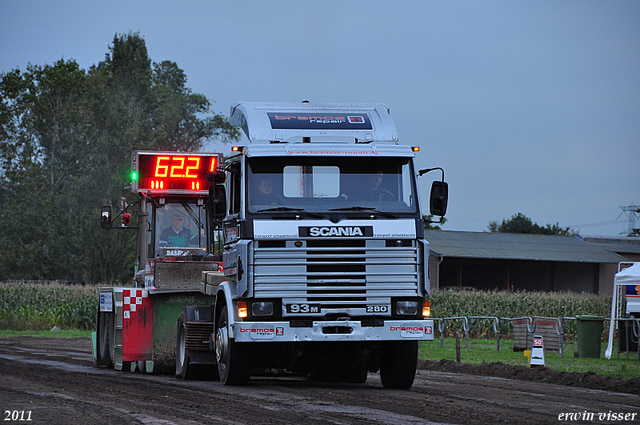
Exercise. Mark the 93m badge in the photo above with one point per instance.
(303, 308)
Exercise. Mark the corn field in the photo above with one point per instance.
(37, 307)
(32, 306)
(454, 303)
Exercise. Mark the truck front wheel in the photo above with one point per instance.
(398, 363)
(231, 356)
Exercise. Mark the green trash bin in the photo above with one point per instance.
(589, 335)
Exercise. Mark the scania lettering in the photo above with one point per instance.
(335, 231)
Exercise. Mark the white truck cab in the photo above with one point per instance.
(325, 261)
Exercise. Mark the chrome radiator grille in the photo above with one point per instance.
(336, 273)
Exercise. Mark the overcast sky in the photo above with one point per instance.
(530, 107)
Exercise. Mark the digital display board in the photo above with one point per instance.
(172, 172)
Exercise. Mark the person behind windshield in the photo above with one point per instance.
(374, 192)
(177, 234)
(264, 195)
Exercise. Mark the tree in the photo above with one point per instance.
(176, 123)
(66, 136)
(41, 134)
(519, 223)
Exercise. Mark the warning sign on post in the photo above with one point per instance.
(537, 352)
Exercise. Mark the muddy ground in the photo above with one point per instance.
(53, 381)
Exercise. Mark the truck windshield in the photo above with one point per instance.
(325, 184)
(180, 224)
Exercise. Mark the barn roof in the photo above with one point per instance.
(617, 244)
(515, 246)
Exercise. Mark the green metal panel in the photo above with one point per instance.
(167, 309)
(94, 347)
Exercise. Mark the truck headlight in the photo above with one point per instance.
(407, 308)
(262, 308)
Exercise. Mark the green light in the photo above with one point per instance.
(134, 176)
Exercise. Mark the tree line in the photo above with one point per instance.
(520, 223)
(66, 137)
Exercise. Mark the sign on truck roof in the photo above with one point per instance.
(326, 122)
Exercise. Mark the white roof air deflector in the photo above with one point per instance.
(291, 122)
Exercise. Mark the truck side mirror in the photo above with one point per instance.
(218, 202)
(105, 217)
(438, 198)
(216, 177)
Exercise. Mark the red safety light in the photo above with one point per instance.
(426, 308)
(243, 312)
(126, 219)
(415, 148)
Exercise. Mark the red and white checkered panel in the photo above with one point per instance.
(132, 299)
(137, 324)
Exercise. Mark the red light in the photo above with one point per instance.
(426, 308)
(242, 309)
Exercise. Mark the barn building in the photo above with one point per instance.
(511, 262)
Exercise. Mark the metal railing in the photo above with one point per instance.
(497, 323)
(442, 323)
(629, 337)
(496, 326)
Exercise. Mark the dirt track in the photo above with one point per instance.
(55, 380)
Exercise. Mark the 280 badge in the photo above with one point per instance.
(377, 309)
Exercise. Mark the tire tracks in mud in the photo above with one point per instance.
(56, 380)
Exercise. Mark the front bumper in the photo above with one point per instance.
(392, 330)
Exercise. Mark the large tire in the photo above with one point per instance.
(105, 339)
(398, 363)
(233, 367)
(183, 369)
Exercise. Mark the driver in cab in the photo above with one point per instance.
(373, 191)
(264, 193)
(177, 234)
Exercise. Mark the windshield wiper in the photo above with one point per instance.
(294, 210)
(366, 209)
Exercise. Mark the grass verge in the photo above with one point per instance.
(46, 334)
(483, 351)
